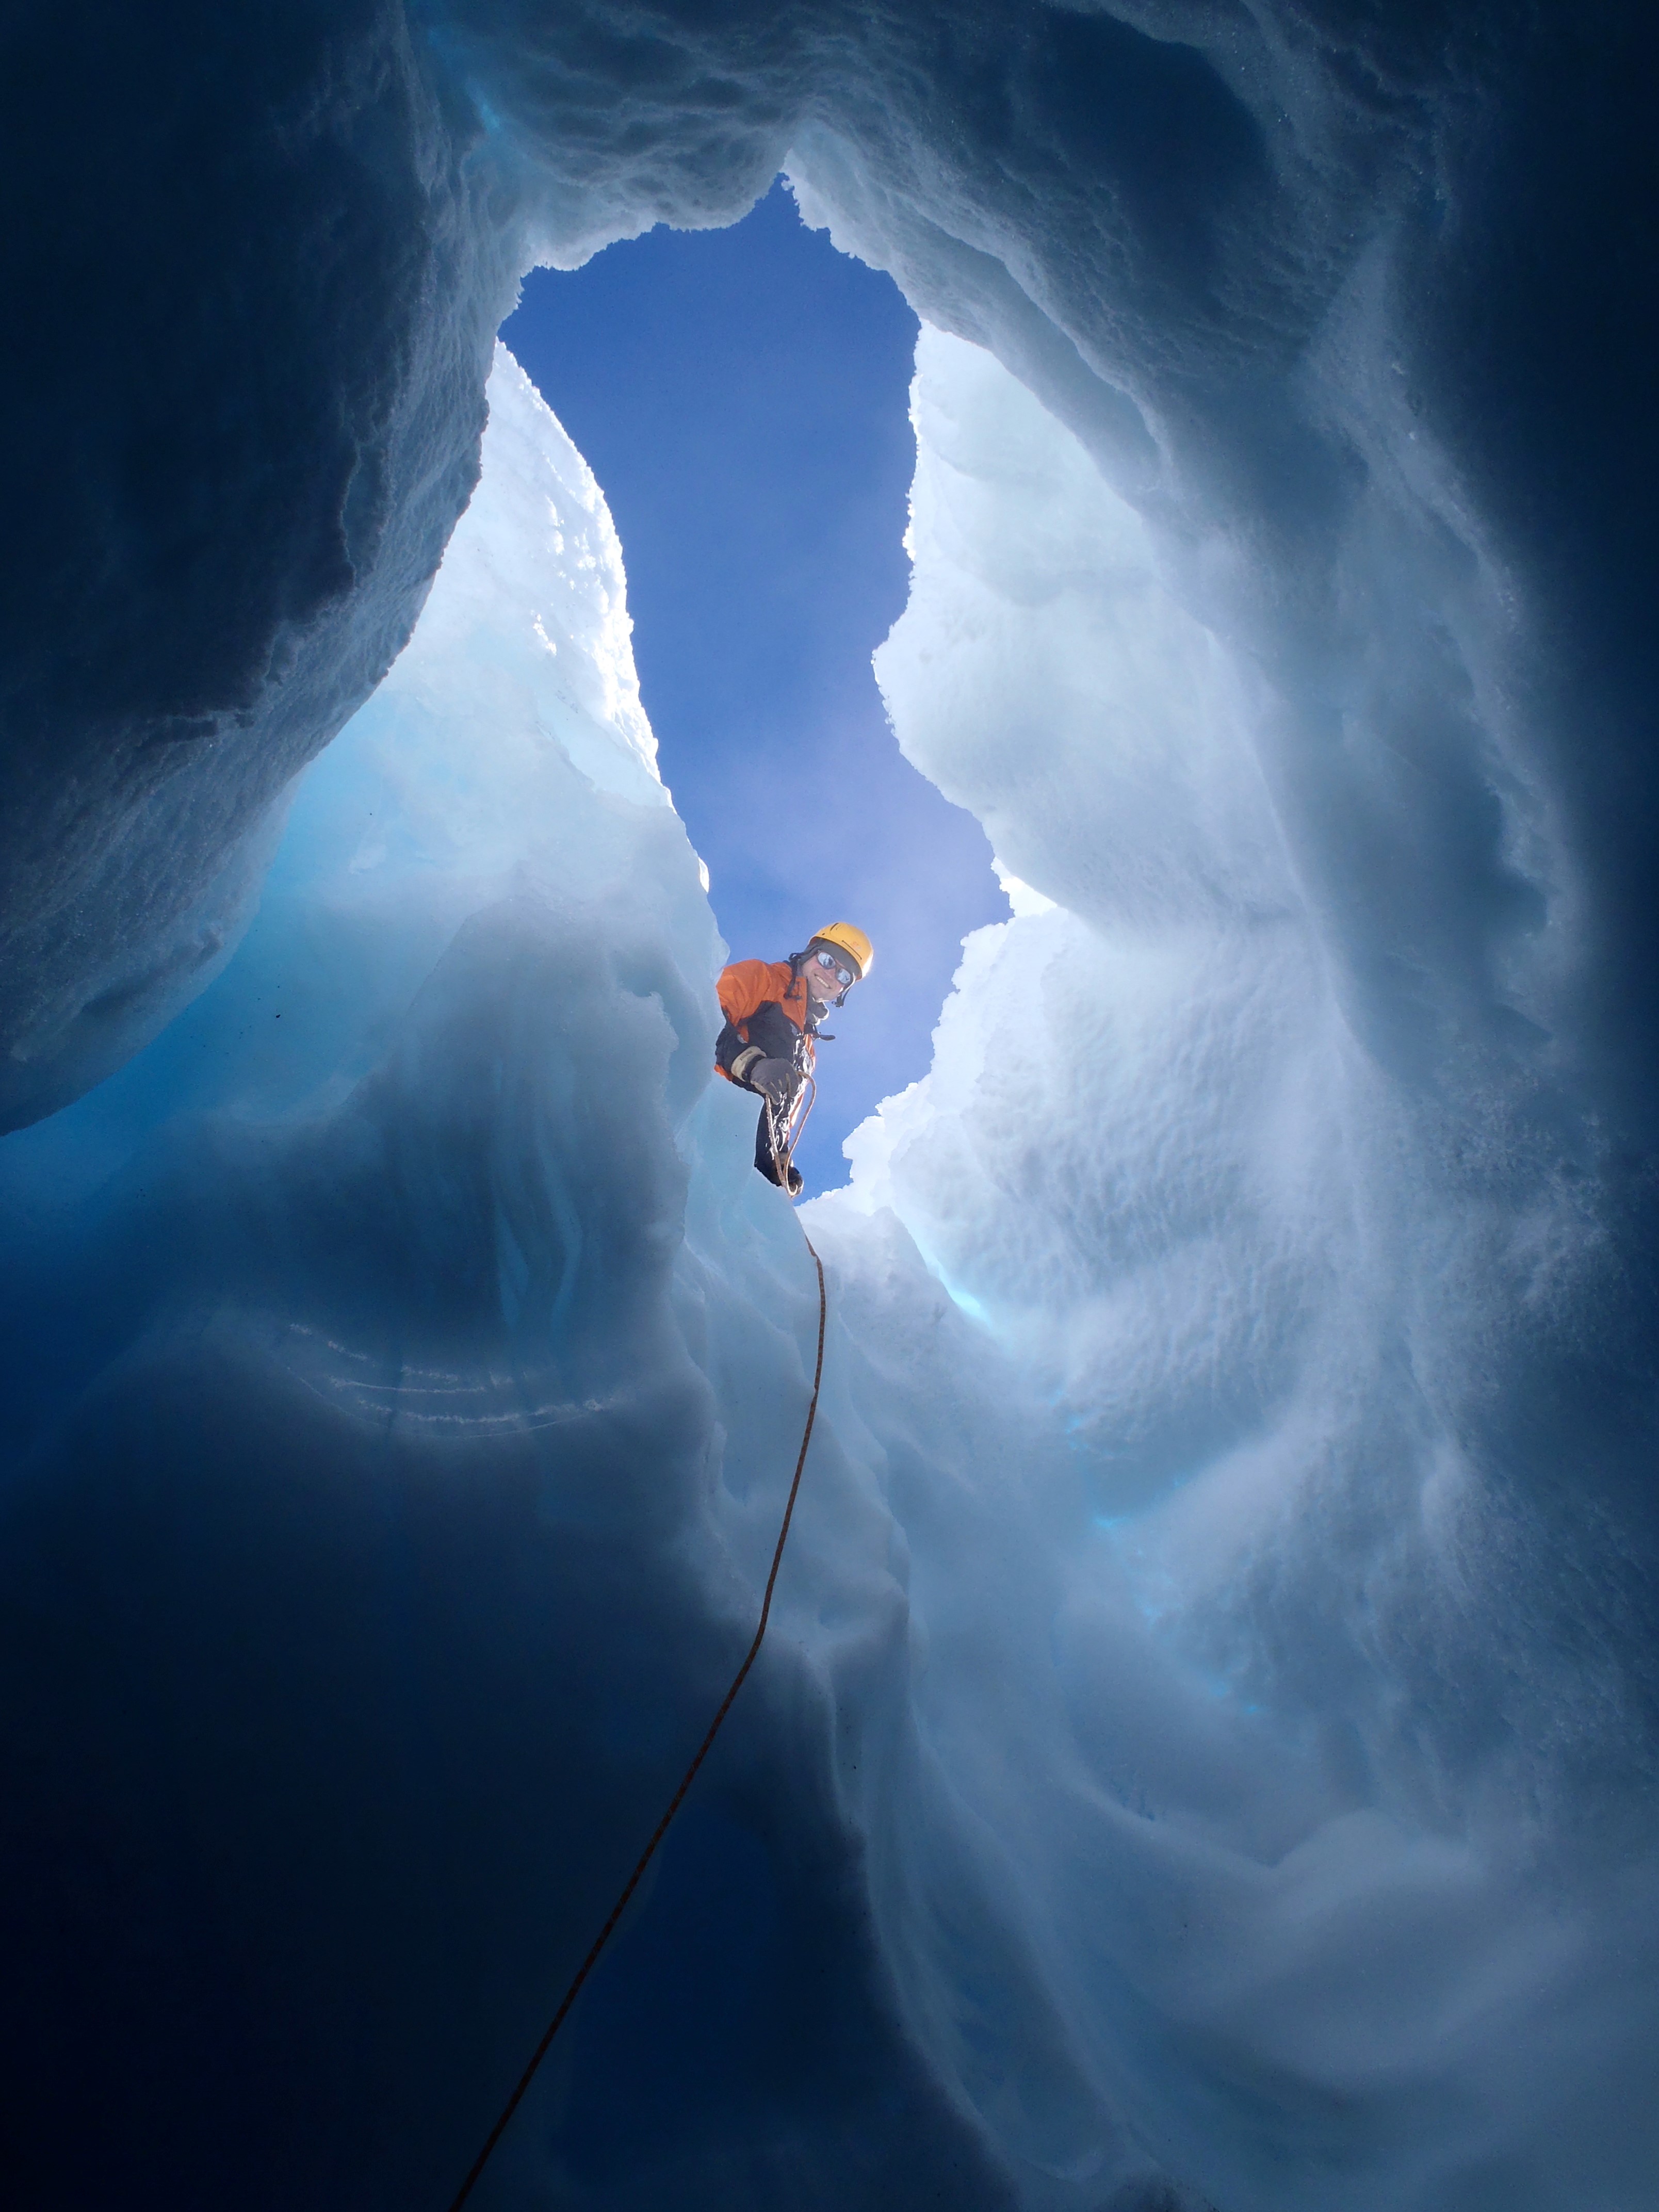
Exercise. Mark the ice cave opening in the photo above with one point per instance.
(1204, 1761)
(742, 398)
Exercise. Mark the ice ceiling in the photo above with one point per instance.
(1207, 1759)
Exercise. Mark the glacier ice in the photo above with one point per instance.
(1309, 283)
(1316, 1764)
(359, 1249)
(1207, 1757)
(1159, 1792)
(252, 280)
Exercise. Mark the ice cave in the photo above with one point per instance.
(1203, 1758)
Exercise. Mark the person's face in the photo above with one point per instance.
(825, 983)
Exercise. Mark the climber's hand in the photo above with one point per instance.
(776, 1078)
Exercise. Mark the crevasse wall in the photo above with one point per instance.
(404, 1365)
(252, 283)
(1318, 1777)
(1312, 287)
(1158, 1784)
(1208, 1750)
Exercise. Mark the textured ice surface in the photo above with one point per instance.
(1200, 1761)
(1211, 1730)
(1312, 284)
(405, 1368)
(251, 281)
(1307, 1728)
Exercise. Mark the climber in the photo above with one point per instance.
(772, 1009)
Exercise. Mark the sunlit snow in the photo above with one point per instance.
(1118, 1481)
(1204, 1761)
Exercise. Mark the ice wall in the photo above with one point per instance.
(1306, 1723)
(253, 278)
(1199, 1764)
(404, 1368)
(1208, 1751)
(1342, 303)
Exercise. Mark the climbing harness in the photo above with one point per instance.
(703, 1748)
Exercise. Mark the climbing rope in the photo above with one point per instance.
(686, 1779)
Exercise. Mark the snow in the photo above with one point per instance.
(1207, 1755)
(1147, 1717)
(252, 286)
(1301, 283)
(405, 1344)
(1263, 1764)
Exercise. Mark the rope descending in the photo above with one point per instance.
(688, 1777)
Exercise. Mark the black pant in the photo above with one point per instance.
(764, 1159)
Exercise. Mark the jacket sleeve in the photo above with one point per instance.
(735, 1058)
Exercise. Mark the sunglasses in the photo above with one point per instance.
(844, 976)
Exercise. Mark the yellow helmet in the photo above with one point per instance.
(853, 942)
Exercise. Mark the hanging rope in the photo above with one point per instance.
(679, 1798)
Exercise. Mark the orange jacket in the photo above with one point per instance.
(765, 1004)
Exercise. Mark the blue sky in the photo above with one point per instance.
(742, 397)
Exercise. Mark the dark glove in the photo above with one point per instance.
(775, 1079)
